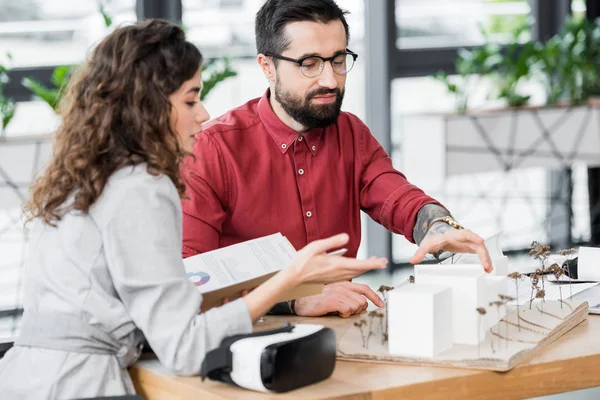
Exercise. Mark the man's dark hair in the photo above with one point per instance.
(274, 15)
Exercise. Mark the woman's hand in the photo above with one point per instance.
(312, 264)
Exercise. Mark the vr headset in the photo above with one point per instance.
(278, 360)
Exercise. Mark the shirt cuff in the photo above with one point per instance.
(282, 308)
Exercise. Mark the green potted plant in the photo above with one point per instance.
(514, 67)
(569, 63)
(505, 66)
(53, 94)
(471, 66)
(513, 137)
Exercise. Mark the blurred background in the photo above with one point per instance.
(489, 105)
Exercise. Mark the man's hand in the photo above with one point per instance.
(432, 238)
(344, 298)
(441, 236)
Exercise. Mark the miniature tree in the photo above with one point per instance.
(372, 315)
(541, 294)
(505, 299)
(383, 289)
(540, 252)
(557, 272)
(497, 304)
(567, 253)
(437, 254)
(534, 287)
(382, 328)
(541, 273)
(481, 312)
(516, 276)
(359, 325)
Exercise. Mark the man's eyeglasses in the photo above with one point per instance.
(313, 66)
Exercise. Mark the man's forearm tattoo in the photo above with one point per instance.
(426, 214)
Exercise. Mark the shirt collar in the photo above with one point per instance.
(284, 136)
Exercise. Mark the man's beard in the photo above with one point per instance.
(309, 115)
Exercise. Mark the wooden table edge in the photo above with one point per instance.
(557, 376)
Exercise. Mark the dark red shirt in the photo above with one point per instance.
(254, 176)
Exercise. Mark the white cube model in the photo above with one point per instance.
(499, 262)
(419, 320)
(468, 293)
(500, 265)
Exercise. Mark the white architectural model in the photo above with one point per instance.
(421, 320)
(454, 315)
(500, 266)
(470, 287)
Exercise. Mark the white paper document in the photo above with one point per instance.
(227, 272)
(240, 262)
(592, 296)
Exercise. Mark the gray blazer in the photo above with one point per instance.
(95, 283)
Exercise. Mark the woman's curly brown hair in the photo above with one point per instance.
(117, 113)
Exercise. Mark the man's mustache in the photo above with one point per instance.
(323, 92)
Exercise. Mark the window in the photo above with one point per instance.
(428, 36)
(225, 28)
(455, 23)
(222, 27)
(37, 32)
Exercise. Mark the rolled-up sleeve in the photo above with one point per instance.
(385, 193)
(143, 249)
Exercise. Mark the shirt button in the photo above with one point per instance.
(314, 148)
(300, 139)
(283, 146)
(308, 214)
(301, 171)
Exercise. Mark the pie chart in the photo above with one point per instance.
(198, 278)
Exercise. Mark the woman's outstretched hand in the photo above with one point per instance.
(312, 264)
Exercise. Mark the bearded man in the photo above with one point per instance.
(292, 162)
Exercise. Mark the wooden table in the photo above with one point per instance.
(570, 363)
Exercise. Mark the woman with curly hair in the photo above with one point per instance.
(105, 267)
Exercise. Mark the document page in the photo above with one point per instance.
(240, 262)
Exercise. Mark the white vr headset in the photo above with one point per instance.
(274, 361)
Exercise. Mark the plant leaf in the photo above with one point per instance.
(213, 75)
(7, 112)
(50, 96)
(61, 76)
(107, 18)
